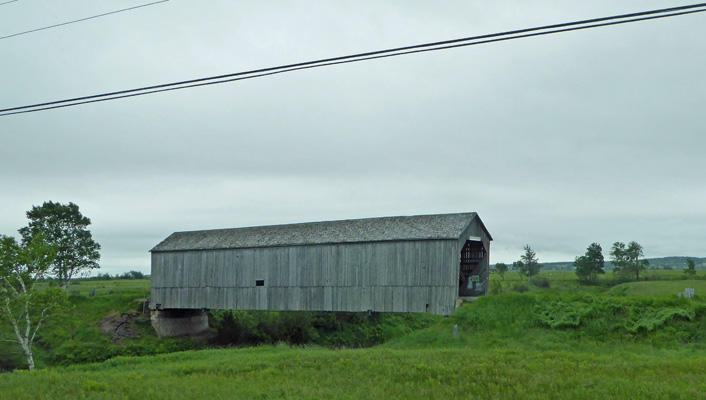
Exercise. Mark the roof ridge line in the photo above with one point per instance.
(376, 229)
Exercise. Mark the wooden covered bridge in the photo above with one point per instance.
(418, 263)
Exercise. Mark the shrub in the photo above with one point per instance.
(618, 279)
(496, 287)
(520, 287)
(540, 281)
(335, 329)
(10, 358)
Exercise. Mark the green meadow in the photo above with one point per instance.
(282, 372)
(636, 340)
(107, 287)
(657, 288)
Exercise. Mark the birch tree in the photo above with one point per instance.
(22, 305)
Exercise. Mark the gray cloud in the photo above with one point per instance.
(556, 141)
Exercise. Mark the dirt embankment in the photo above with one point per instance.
(120, 326)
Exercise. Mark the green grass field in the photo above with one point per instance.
(103, 287)
(308, 373)
(633, 341)
(657, 288)
(503, 351)
(653, 283)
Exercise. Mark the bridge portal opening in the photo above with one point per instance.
(470, 282)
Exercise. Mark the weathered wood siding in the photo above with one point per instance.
(396, 276)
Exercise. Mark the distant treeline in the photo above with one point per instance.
(109, 277)
(664, 263)
(126, 275)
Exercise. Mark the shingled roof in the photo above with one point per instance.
(418, 227)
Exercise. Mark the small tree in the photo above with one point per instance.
(531, 262)
(501, 268)
(520, 267)
(627, 260)
(690, 268)
(528, 265)
(635, 261)
(24, 307)
(589, 265)
(63, 226)
(618, 256)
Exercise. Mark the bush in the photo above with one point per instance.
(520, 287)
(654, 277)
(540, 281)
(81, 352)
(11, 358)
(618, 279)
(496, 287)
(333, 329)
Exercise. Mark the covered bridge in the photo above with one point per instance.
(418, 263)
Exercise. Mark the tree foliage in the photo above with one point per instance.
(690, 267)
(528, 265)
(24, 307)
(63, 226)
(519, 266)
(590, 265)
(501, 269)
(132, 274)
(628, 260)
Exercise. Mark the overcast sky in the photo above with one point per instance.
(556, 141)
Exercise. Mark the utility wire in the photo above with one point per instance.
(8, 2)
(79, 20)
(443, 45)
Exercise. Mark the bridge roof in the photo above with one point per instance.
(418, 227)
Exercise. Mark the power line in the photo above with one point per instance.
(79, 20)
(443, 45)
(8, 2)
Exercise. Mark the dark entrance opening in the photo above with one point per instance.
(470, 277)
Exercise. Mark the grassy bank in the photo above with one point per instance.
(508, 347)
(76, 336)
